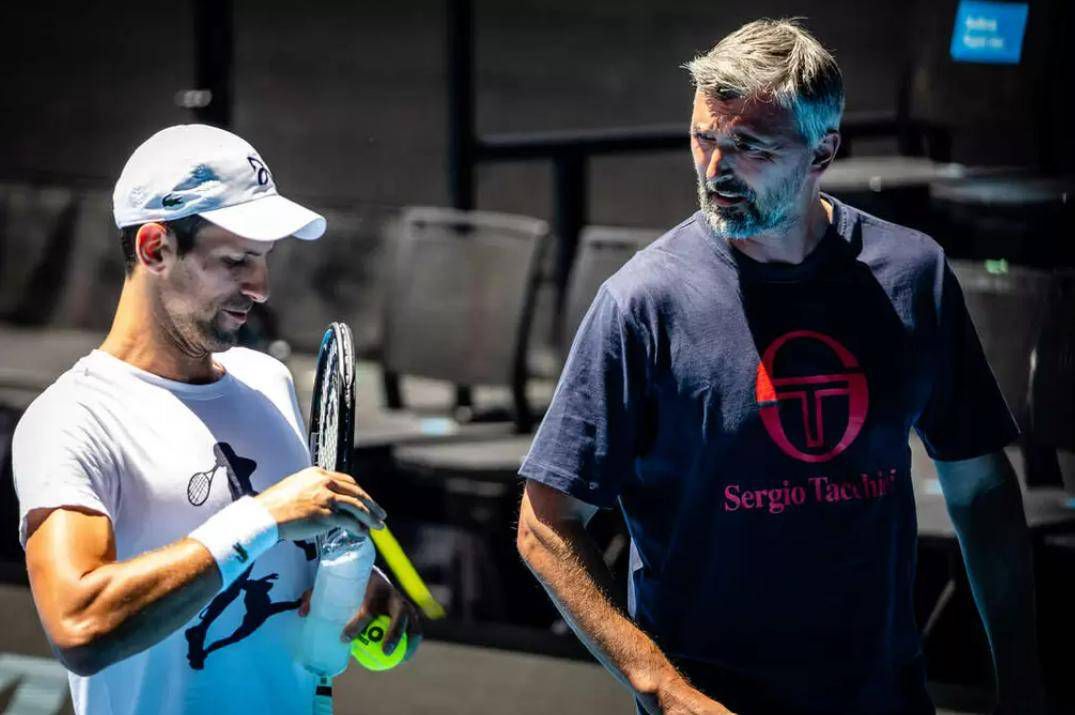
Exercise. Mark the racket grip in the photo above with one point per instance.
(323, 697)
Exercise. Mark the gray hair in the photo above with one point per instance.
(776, 59)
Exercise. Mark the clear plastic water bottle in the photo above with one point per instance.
(344, 571)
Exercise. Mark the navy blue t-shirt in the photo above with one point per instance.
(752, 421)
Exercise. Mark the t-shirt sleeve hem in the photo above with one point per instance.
(980, 448)
(58, 503)
(570, 484)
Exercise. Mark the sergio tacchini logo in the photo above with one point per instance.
(810, 392)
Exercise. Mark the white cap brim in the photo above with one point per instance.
(268, 219)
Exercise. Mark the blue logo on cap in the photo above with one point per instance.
(260, 170)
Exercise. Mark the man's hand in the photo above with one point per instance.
(382, 599)
(314, 500)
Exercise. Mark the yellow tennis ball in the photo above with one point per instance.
(366, 648)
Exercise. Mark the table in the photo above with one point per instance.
(882, 173)
(1048, 512)
(1006, 191)
(32, 358)
(1024, 218)
(894, 188)
(427, 418)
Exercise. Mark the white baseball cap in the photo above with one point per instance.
(197, 169)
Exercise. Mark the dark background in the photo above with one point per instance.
(347, 101)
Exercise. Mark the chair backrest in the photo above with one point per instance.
(1052, 377)
(93, 277)
(602, 251)
(1006, 304)
(35, 234)
(337, 277)
(459, 295)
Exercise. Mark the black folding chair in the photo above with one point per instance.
(1052, 382)
(35, 239)
(94, 271)
(478, 479)
(1006, 304)
(459, 302)
(52, 309)
(603, 250)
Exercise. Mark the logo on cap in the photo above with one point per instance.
(170, 201)
(814, 396)
(261, 172)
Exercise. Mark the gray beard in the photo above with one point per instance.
(754, 215)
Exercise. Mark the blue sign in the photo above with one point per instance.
(988, 31)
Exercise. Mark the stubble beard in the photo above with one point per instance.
(193, 334)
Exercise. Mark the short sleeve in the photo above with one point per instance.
(59, 459)
(966, 415)
(587, 443)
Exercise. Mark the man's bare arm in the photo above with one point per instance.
(553, 542)
(986, 506)
(98, 611)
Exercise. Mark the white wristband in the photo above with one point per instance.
(236, 535)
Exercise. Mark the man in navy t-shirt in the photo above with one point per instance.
(744, 389)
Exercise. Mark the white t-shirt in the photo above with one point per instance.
(158, 458)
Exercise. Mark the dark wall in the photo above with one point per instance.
(83, 82)
(347, 100)
(1000, 114)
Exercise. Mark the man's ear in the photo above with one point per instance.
(151, 244)
(825, 153)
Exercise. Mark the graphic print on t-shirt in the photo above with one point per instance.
(238, 470)
(802, 402)
(259, 607)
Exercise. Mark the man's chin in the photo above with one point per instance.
(731, 227)
(218, 340)
(226, 342)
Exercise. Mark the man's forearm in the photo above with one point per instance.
(995, 542)
(570, 568)
(122, 608)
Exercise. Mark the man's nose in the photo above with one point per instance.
(256, 285)
(715, 164)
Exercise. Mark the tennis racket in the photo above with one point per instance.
(332, 431)
(332, 414)
(332, 434)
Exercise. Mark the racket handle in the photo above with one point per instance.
(409, 580)
(323, 697)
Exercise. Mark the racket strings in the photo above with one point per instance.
(328, 449)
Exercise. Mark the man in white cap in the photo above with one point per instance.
(166, 474)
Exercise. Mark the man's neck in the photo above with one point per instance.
(793, 243)
(139, 338)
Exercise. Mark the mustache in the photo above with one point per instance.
(243, 307)
(727, 185)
